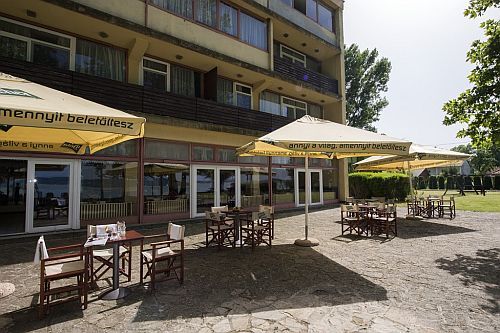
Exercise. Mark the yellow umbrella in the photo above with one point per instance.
(317, 138)
(37, 118)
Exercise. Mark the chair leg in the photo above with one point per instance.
(130, 263)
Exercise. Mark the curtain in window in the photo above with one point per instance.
(270, 103)
(228, 19)
(181, 7)
(253, 31)
(315, 110)
(206, 12)
(224, 91)
(100, 60)
(182, 81)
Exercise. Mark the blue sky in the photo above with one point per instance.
(426, 42)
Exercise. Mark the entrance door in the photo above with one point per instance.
(214, 186)
(52, 195)
(315, 190)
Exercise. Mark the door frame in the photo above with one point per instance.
(216, 169)
(297, 190)
(74, 194)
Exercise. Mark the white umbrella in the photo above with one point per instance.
(318, 138)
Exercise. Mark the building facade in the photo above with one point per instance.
(208, 75)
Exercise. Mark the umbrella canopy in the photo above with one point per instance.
(320, 138)
(37, 118)
(419, 157)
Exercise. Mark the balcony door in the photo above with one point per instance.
(52, 195)
(214, 186)
(315, 189)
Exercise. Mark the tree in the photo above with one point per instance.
(479, 107)
(483, 158)
(367, 76)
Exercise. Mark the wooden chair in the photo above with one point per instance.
(105, 258)
(447, 207)
(223, 210)
(217, 231)
(353, 220)
(386, 222)
(268, 217)
(70, 265)
(255, 232)
(157, 253)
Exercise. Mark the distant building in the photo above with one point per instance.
(463, 169)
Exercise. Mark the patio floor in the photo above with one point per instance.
(439, 275)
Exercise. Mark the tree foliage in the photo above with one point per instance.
(483, 159)
(479, 107)
(367, 76)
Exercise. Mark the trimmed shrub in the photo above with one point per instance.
(441, 182)
(450, 183)
(477, 181)
(422, 183)
(487, 182)
(433, 183)
(497, 182)
(379, 184)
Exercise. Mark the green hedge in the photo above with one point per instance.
(488, 182)
(441, 182)
(497, 182)
(433, 185)
(450, 183)
(379, 184)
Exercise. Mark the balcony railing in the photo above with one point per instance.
(135, 98)
(296, 72)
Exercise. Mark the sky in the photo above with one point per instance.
(426, 42)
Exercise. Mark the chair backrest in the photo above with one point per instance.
(268, 210)
(41, 252)
(349, 208)
(214, 216)
(349, 200)
(220, 209)
(91, 230)
(101, 229)
(176, 231)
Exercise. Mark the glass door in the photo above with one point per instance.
(13, 178)
(214, 186)
(315, 190)
(51, 195)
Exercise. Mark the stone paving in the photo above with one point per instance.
(439, 275)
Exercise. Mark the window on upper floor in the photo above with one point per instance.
(297, 57)
(234, 93)
(288, 107)
(222, 16)
(292, 108)
(155, 74)
(185, 81)
(315, 10)
(41, 46)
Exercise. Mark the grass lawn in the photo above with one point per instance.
(471, 201)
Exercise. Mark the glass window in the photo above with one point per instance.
(163, 150)
(228, 21)
(13, 176)
(325, 17)
(330, 184)
(292, 55)
(283, 186)
(313, 64)
(226, 155)
(33, 33)
(108, 189)
(206, 12)
(311, 9)
(288, 2)
(100, 60)
(315, 111)
(47, 55)
(292, 108)
(183, 81)
(166, 188)
(253, 31)
(181, 7)
(282, 160)
(155, 74)
(13, 48)
(270, 103)
(253, 159)
(225, 91)
(127, 148)
(201, 153)
(243, 96)
(254, 187)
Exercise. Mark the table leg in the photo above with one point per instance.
(117, 292)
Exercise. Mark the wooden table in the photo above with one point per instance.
(236, 215)
(118, 292)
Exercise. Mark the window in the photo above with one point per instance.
(253, 31)
(315, 10)
(163, 150)
(325, 17)
(100, 60)
(288, 2)
(283, 186)
(292, 55)
(181, 7)
(225, 91)
(123, 149)
(226, 155)
(201, 153)
(228, 19)
(270, 103)
(292, 108)
(315, 111)
(330, 184)
(206, 12)
(183, 81)
(23, 42)
(254, 186)
(155, 74)
(243, 95)
(311, 9)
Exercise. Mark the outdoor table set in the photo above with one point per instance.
(369, 217)
(431, 206)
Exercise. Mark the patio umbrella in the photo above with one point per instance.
(312, 137)
(37, 118)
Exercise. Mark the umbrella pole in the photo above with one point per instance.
(307, 185)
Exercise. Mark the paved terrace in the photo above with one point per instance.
(437, 276)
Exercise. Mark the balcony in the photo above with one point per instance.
(297, 72)
(134, 98)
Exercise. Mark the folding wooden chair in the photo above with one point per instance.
(70, 264)
(105, 258)
(352, 220)
(447, 207)
(162, 252)
(223, 210)
(217, 231)
(267, 218)
(386, 222)
(255, 232)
